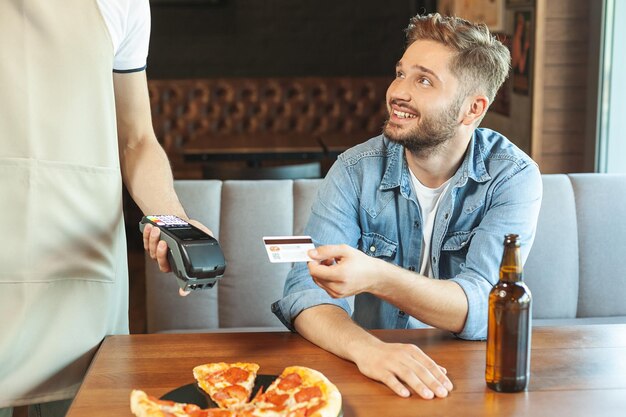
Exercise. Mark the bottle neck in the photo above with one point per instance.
(511, 266)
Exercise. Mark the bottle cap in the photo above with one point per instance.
(511, 239)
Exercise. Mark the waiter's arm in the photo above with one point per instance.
(145, 168)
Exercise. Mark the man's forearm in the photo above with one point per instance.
(439, 303)
(394, 364)
(330, 328)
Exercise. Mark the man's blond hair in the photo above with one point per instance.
(481, 62)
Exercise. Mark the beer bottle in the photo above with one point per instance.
(509, 325)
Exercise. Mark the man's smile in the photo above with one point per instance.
(400, 114)
(404, 115)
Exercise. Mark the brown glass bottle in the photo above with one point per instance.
(509, 325)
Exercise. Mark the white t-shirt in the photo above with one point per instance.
(128, 22)
(428, 199)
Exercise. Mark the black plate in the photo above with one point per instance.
(193, 394)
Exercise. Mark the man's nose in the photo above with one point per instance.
(399, 90)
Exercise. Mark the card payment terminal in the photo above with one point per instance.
(195, 257)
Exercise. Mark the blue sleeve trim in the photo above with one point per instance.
(126, 71)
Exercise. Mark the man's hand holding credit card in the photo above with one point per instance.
(288, 248)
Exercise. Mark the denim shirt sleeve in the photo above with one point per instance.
(514, 208)
(333, 220)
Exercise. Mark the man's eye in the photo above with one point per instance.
(399, 74)
(424, 81)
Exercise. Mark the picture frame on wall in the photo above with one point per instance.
(490, 12)
(521, 51)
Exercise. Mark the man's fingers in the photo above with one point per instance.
(432, 375)
(332, 280)
(445, 381)
(321, 272)
(419, 378)
(396, 386)
(183, 293)
(328, 262)
(438, 372)
(326, 288)
(329, 252)
(420, 373)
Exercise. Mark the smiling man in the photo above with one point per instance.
(409, 225)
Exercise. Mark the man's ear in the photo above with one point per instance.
(476, 110)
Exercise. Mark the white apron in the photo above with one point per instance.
(63, 271)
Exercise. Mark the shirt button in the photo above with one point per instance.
(434, 260)
(372, 248)
(445, 216)
(402, 313)
(411, 268)
(416, 224)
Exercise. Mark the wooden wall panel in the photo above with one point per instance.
(564, 121)
(560, 105)
(554, 97)
(562, 143)
(565, 76)
(567, 8)
(559, 53)
(567, 30)
(561, 163)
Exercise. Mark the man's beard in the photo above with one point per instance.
(430, 133)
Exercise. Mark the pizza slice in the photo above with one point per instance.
(228, 385)
(298, 392)
(215, 412)
(144, 405)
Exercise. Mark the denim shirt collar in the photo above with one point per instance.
(397, 171)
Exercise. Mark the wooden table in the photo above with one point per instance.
(575, 371)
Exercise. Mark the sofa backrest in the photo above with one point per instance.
(551, 270)
(575, 268)
(239, 213)
(601, 214)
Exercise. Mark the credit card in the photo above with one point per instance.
(288, 248)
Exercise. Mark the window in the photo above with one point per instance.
(611, 142)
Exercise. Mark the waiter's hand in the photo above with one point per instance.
(157, 248)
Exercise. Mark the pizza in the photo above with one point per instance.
(297, 392)
(301, 392)
(144, 405)
(228, 385)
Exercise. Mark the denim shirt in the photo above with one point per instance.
(367, 201)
